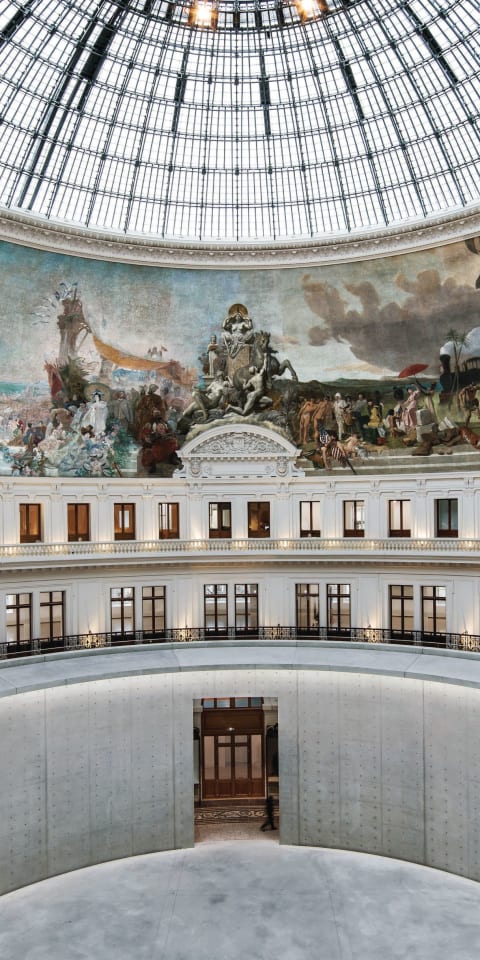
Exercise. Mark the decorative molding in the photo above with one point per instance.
(39, 233)
(239, 450)
(427, 553)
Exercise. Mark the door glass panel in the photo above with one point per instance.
(224, 762)
(241, 761)
(256, 742)
(209, 757)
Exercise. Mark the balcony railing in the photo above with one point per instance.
(87, 550)
(374, 635)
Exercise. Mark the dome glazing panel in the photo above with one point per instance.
(267, 124)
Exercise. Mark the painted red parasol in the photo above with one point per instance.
(412, 370)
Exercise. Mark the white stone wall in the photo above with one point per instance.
(285, 496)
(102, 769)
(87, 592)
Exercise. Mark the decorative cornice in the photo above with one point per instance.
(16, 227)
(233, 450)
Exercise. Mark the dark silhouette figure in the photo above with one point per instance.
(268, 822)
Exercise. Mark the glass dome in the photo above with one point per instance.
(239, 120)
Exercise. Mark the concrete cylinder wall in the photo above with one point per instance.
(379, 752)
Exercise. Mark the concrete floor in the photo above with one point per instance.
(245, 899)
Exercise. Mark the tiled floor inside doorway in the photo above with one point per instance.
(228, 822)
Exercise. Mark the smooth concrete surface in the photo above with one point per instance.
(379, 752)
(36, 673)
(245, 899)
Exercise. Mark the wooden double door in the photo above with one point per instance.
(233, 754)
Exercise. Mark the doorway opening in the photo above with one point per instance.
(236, 765)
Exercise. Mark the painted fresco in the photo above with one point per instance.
(106, 369)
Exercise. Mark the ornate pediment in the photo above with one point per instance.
(234, 451)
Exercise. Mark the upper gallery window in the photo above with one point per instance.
(168, 521)
(353, 518)
(124, 521)
(30, 522)
(219, 521)
(446, 517)
(78, 515)
(310, 518)
(399, 518)
(259, 519)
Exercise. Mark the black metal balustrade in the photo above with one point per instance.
(375, 635)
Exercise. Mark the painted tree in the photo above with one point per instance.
(459, 341)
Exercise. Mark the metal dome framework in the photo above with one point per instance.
(125, 116)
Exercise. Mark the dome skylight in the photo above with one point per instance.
(266, 121)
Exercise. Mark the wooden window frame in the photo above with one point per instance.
(358, 512)
(220, 599)
(74, 513)
(336, 592)
(246, 607)
(307, 607)
(158, 616)
(310, 518)
(404, 510)
(17, 606)
(438, 596)
(123, 599)
(397, 593)
(30, 520)
(168, 521)
(451, 531)
(50, 604)
(220, 520)
(121, 530)
(259, 519)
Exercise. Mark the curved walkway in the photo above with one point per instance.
(418, 663)
(237, 900)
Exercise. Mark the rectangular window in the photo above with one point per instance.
(168, 521)
(338, 608)
(216, 608)
(18, 608)
(446, 518)
(124, 521)
(225, 703)
(52, 614)
(246, 607)
(78, 515)
(434, 610)
(30, 522)
(219, 521)
(310, 518)
(353, 518)
(153, 612)
(122, 608)
(259, 520)
(399, 518)
(307, 600)
(401, 611)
